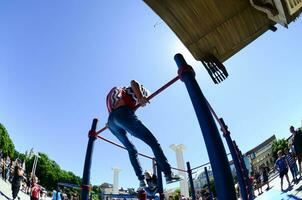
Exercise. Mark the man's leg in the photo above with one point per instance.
(287, 178)
(281, 183)
(129, 121)
(293, 173)
(299, 162)
(133, 155)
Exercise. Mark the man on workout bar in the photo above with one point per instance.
(121, 103)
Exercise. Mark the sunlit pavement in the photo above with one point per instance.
(6, 192)
(275, 193)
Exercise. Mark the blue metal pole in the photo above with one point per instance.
(160, 188)
(191, 181)
(242, 185)
(221, 170)
(208, 181)
(245, 173)
(87, 166)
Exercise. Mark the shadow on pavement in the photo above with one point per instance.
(292, 197)
(299, 188)
(4, 195)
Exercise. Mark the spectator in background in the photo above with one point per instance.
(11, 170)
(7, 168)
(28, 182)
(251, 179)
(297, 144)
(292, 164)
(264, 176)
(257, 181)
(35, 189)
(17, 178)
(282, 166)
(2, 169)
(56, 195)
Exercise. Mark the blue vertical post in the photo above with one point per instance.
(239, 172)
(88, 159)
(191, 180)
(160, 188)
(208, 182)
(221, 170)
(245, 173)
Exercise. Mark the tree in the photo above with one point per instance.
(279, 145)
(19, 155)
(6, 144)
(50, 173)
(212, 187)
(176, 193)
(96, 192)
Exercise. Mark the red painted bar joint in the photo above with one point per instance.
(185, 69)
(92, 133)
(86, 187)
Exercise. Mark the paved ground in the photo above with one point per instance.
(5, 191)
(275, 193)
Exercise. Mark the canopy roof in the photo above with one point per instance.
(217, 27)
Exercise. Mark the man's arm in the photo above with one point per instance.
(136, 87)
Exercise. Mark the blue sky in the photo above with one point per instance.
(58, 60)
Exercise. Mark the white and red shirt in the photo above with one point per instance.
(127, 94)
(35, 190)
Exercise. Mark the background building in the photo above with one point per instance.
(262, 154)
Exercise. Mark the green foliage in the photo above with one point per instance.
(6, 144)
(212, 187)
(279, 145)
(50, 173)
(19, 155)
(176, 193)
(96, 191)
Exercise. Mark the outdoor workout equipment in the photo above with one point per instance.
(222, 174)
(241, 171)
(93, 134)
(148, 98)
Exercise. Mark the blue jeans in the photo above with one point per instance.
(123, 120)
(294, 170)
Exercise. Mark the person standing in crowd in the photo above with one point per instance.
(264, 176)
(2, 169)
(297, 144)
(7, 168)
(281, 165)
(35, 189)
(252, 180)
(257, 181)
(292, 165)
(56, 195)
(11, 170)
(29, 178)
(17, 178)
